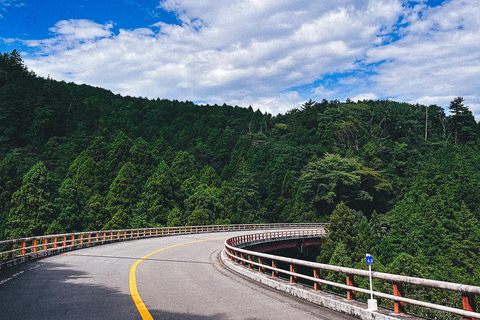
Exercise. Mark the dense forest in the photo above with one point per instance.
(397, 180)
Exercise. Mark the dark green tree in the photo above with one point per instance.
(68, 204)
(32, 209)
(463, 122)
(122, 197)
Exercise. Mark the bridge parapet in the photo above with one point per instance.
(235, 249)
(16, 251)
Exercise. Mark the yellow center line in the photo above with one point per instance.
(142, 309)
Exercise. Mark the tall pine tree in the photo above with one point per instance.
(32, 209)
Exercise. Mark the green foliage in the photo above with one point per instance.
(333, 179)
(32, 209)
(121, 198)
(463, 122)
(68, 205)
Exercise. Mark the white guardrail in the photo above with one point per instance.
(17, 251)
(261, 262)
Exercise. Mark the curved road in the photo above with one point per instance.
(183, 280)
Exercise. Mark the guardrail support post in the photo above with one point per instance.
(468, 301)
(34, 249)
(23, 246)
(398, 291)
(250, 265)
(10, 247)
(317, 285)
(260, 261)
(350, 282)
(293, 268)
(274, 272)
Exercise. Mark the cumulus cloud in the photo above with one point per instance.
(365, 96)
(437, 59)
(71, 35)
(253, 52)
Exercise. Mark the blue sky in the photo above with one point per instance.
(271, 54)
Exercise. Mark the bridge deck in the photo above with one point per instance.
(184, 281)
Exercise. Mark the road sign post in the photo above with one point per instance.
(372, 303)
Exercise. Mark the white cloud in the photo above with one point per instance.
(364, 96)
(437, 59)
(74, 35)
(81, 29)
(238, 52)
(321, 92)
(252, 52)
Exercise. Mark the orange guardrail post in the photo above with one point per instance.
(274, 272)
(317, 285)
(398, 291)
(350, 282)
(34, 249)
(468, 301)
(23, 246)
(293, 268)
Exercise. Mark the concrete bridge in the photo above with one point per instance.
(159, 277)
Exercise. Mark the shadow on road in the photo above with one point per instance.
(48, 290)
(163, 315)
(54, 291)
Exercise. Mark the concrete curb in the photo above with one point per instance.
(352, 308)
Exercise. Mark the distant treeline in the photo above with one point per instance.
(398, 180)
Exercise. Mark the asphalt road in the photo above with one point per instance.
(185, 280)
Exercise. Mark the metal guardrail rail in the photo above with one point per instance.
(234, 247)
(16, 251)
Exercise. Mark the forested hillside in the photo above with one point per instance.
(397, 180)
